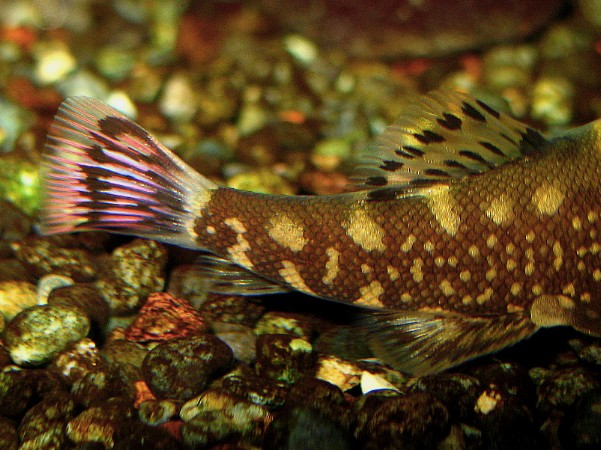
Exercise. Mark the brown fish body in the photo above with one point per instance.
(470, 231)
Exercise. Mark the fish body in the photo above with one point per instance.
(468, 233)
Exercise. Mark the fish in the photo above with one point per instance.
(465, 232)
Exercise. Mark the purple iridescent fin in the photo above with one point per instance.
(104, 172)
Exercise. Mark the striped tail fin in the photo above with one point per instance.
(101, 171)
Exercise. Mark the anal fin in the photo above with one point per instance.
(421, 343)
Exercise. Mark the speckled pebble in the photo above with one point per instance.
(216, 416)
(120, 352)
(580, 428)
(15, 296)
(258, 390)
(43, 256)
(559, 389)
(157, 412)
(103, 383)
(182, 368)
(339, 372)
(36, 334)
(85, 297)
(588, 351)
(284, 323)
(135, 270)
(178, 101)
(283, 357)
(9, 438)
(231, 309)
(77, 360)
(16, 391)
(239, 338)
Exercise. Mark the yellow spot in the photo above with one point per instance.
(511, 265)
(511, 308)
(467, 300)
(465, 276)
(198, 204)
(529, 253)
(416, 270)
(595, 248)
(446, 288)
(291, 275)
(393, 273)
(593, 234)
(286, 232)
(332, 267)
(408, 244)
(406, 297)
(445, 209)
(592, 216)
(366, 268)
(558, 252)
(429, 246)
(581, 266)
(439, 261)
(211, 230)
(581, 251)
(509, 249)
(370, 295)
(597, 275)
(548, 198)
(565, 302)
(529, 269)
(576, 223)
(569, 289)
(237, 252)
(500, 210)
(491, 274)
(537, 289)
(485, 296)
(364, 231)
(530, 237)
(473, 251)
(453, 261)
(585, 297)
(491, 241)
(515, 289)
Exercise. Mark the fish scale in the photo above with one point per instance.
(468, 233)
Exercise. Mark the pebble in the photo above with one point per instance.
(101, 383)
(9, 438)
(83, 82)
(261, 391)
(552, 100)
(178, 101)
(283, 357)
(241, 339)
(580, 428)
(136, 270)
(275, 322)
(182, 368)
(300, 48)
(115, 63)
(215, 417)
(14, 270)
(122, 103)
(231, 309)
(157, 412)
(36, 334)
(587, 351)
(15, 296)
(54, 61)
(85, 297)
(16, 392)
(164, 317)
(559, 389)
(14, 121)
(77, 360)
(344, 374)
(20, 184)
(122, 352)
(48, 283)
(15, 224)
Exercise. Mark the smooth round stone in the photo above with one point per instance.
(182, 368)
(15, 296)
(36, 334)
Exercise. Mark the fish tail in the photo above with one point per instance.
(101, 171)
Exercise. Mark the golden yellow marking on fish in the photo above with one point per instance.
(581, 251)
(473, 251)
(211, 230)
(287, 232)
(530, 237)
(537, 289)
(453, 261)
(290, 275)
(597, 275)
(370, 295)
(548, 198)
(416, 270)
(393, 273)
(569, 289)
(446, 288)
(467, 300)
(491, 241)
(595, 248)
(406, 297)
(465, 275)
(585, 297)
(509, 249)
(445, 209)
(515, 289)
(576, 223)
(511, 265)
(500, 210)
(491, 274)
(366, 268)
(511, 308)
(408, 244)
(439, 261)
(332, 266)
(238, 251)
(364, 231)
(592, 216)
(566, 303)
(429, 246)
(529, 269)
(581, 266)
(484, 296)
(558, 252)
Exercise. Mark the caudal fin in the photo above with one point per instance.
(101, 171)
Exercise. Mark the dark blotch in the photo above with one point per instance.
(449, 121)
(428, 137)
(376, 181)
(383, 194)
(436, 173)
(474, 157)
(532, 142)
(473, 112)
(410, 152)
(508, 139)
(488, 109)
(455, 165)
(493, 148)
(391, 166)
(116, 126)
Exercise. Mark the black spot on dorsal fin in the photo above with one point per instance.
(472, 112)
(391, 166)
(449, 121)
(428, 137)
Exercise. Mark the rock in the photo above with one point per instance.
(9, 438)
(239, 338)
(182, 368)
(231, 309)
(15, 296)
(79, 359)
(85, 297)
(16, 391)
(258, 390)
(284, 323)
(157, 412)
(283, 357)
(559, 389)
(338, 372)
(580, 428)
(121, 352)
(36, 334)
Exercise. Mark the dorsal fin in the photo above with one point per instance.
(440, 136)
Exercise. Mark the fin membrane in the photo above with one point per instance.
(101, 171)
(558, 310)
(224, 277)
(422, 343)
(441, 136)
